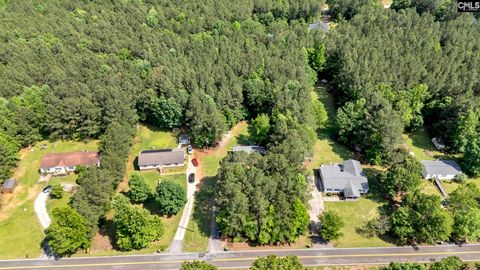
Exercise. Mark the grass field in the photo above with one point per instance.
(20, 232)
(355, 214)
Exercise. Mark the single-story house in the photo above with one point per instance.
(64, 163)
(345, 178)
(250, 149)
(8, 186)
(161, 158)
(440, 169)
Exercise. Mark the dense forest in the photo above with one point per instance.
(93, 69)
(397, 71)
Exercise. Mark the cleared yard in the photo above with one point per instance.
(20, 231)
(210, 159)
(355, 214)
(419, 142)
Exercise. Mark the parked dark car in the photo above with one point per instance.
(191, 178)
(189, 149)
(195, 162)
(47, 189)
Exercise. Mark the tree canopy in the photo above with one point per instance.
(170, 197)
(274, 262)
(68, 232)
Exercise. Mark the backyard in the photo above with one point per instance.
(20, 231)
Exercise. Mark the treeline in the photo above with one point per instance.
(174, 66)
(396, 71)
(293, 263)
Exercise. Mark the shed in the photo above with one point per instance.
(8, 186)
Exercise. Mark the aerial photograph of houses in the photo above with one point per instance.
(252, 134)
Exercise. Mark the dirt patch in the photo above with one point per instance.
(11, 201)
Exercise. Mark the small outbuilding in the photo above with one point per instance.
(440, 169)
(8, 186)
(184, 139)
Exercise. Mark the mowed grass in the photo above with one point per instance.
(198, 232)
(355, 214)
(20, 231)
(419, 142)
(326, 150)
(211, 162)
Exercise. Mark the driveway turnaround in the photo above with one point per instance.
(243, 259)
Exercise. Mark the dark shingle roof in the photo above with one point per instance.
(161, 157)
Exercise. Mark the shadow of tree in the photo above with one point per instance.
(244, 139)
(204, 199)
(107, 229)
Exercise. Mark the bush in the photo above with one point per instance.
(461, 178)
(331, 224)
(139, 190)
(57, 191)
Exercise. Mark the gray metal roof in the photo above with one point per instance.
(348, 174)
(161, 157)
(441, 167)
(9, 183)
(319, 25)
(249, 149)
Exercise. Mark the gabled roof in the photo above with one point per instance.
(347, 176)
(161, 157)
(70, 159)
(249, 149)
(351, 191)
(441, 167)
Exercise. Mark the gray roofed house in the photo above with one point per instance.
(8, 186)
(345, 178)
(440, 169)
(161, 158)
(249, 149)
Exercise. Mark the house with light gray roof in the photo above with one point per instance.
(440, 169)
(347, 179)
(249, 149)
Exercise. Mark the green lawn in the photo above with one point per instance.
(419, 142)
(56, 203)
(325, 149)
(20, 231)
(196, 237)
(355, 214)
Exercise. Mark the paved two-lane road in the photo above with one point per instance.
(243, 259)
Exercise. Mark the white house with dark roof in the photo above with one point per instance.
(345, 178)
(440, 169)
(161, 158)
